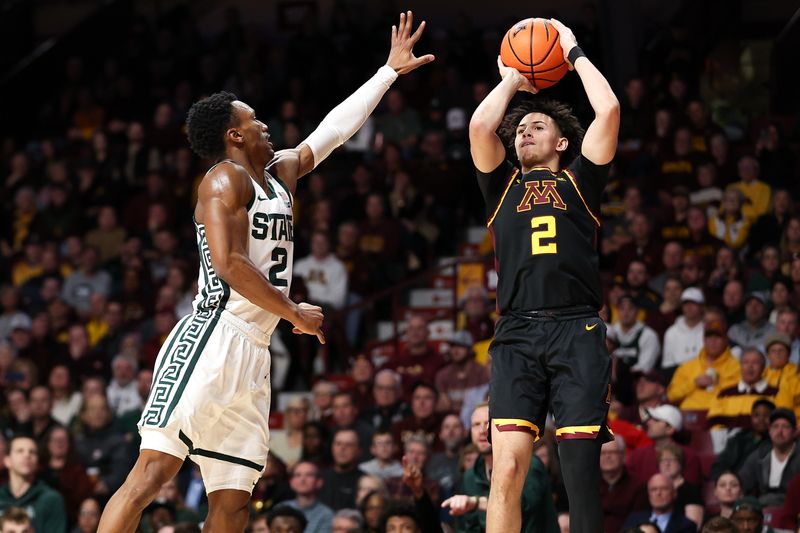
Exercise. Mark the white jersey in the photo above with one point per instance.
(270, 248)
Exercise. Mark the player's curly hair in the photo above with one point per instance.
(206, 124)
(562, 114)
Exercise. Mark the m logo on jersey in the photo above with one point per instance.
(275, 226)
(541, 192)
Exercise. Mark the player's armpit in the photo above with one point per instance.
(291, 164)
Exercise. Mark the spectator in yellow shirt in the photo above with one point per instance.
(756, 192)
(730, 225)
(697, 381)
(780, 372)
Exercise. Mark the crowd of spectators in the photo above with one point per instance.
(699, 252)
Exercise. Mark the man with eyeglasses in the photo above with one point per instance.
(620, 492)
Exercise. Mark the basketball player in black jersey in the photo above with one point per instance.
(549, 349)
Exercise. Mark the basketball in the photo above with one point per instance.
(532, 46)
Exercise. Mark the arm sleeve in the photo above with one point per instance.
(346, 118)
(493, 185)
(591, 180)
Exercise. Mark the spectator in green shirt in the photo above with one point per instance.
(44, 505)
(469, 505)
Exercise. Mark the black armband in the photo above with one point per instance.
(574, 54)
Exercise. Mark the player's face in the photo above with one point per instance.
(254, 133)
(538, 140)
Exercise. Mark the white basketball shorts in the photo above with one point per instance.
(210, 399)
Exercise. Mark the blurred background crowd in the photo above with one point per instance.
(699, 248)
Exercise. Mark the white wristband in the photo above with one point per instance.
(346, 119)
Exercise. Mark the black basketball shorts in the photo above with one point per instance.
(551, 360)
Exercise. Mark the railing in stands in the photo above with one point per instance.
(444, 276)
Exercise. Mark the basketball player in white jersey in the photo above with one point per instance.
(210, 394)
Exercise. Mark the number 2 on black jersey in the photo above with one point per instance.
(543, 227)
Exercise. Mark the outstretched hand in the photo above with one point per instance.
(401, 55)
(412, 478)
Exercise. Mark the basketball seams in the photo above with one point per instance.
(531, 69)
(530, 43)
(511, 47)
(556, 41)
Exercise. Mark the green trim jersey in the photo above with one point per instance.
(544, 227)
(270, 248)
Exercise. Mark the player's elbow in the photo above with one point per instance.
(479, 128)
(224, 265)
(609, 109)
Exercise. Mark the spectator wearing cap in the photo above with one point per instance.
(748, 516)
(460, 375)
(767, 476)
(697, 381)
(663, 423)
(621, 493)
(638, 347)
(756, 192)
(755, 327)
(731, 408)
(661, 494)
(684, 339)
(650, 389)
(740, 445)
(779, 372)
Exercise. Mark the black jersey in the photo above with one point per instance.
(544, 228)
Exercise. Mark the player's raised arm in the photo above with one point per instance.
(222, 199)
(347, 118)
(600, 141)
(485, 145)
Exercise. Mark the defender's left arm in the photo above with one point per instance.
(600, 141)
(347, 118)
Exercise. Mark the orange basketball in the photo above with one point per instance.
(532, 46)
